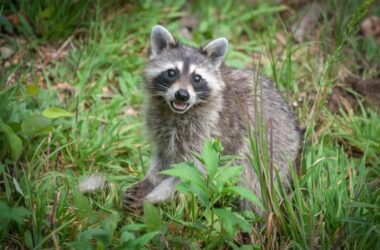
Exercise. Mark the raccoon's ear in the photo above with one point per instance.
(160, 39)
(216, 50)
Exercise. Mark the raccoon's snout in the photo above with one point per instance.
(180, 100)
(182, 95)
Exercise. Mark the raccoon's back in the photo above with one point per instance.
(247, 98)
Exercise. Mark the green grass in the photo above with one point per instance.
(334, 201)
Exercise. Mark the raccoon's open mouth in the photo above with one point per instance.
(179, 106)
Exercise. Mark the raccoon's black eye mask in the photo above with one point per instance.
(163, 81)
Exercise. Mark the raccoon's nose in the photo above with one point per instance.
(182, 95)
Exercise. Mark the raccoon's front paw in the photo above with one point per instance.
(131, 202)
(134, 196)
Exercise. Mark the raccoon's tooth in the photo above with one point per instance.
(179, 105)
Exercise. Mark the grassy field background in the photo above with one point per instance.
(70, 105)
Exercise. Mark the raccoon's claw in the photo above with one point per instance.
(132, 203)
(134, 196)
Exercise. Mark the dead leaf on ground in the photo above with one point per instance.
(54, 53)
(281, 37)
(65, 90)
(50, 53)
(14, 19)
(107, 91)
(369, 89)
(130, 111)
(307, 24)
(6, 52)
(370, 26)
(64, 86)
(341, 96)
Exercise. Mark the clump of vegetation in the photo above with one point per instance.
(70, 103)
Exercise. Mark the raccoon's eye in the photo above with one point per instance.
(171, 73)
(197, 78)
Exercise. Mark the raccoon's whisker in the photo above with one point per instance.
(157, 94)
(203, 95)
(200, 101)
(157, 89)
(161, 83)
(161, 101)
(161, 87)
(160, 97)
(203, 92)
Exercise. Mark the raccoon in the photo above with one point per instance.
(192, 95)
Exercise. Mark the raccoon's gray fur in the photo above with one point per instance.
(193, 96)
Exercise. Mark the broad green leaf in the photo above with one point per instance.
(35, 125)
(189, 188)
(245, 193)
(28, 239)
(187, 173)
(193, 225)
(16, 213)
(134, 227)
(229, 220)
(228, 173)
(127, 236)
(14, 142)
(152, 218)
(232, 220)
(32, 89)
(82, 204)
(210, 157)
(99, 234)
(110, 224)
(54, 112)
(243, 224)
(140, 242)
(185, 188)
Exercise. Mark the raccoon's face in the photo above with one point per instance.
(183, 76)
